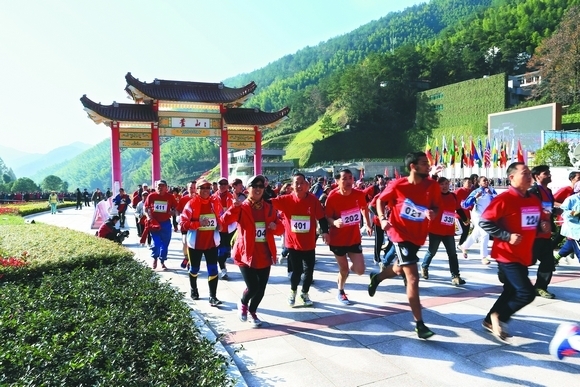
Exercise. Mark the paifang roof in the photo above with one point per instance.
(256, 117)
(184, 91)
(120, 111)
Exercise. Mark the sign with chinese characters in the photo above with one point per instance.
(135, 144)
(241, 145)
(187, 132)
(241, 136)
(134, 134)
(188, 122)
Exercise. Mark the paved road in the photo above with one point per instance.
(372, 343)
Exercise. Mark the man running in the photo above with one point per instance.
(158, 208)
(412, 202)
(344, 208)
(301, 210)
(514, 219)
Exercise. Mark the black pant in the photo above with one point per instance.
(194, 256)
(518, 291)
(122, 217)
(139, 227)
(379, 240)
(79, 205)
(256, 281)
(542, 251)
(301, 262)
(449, 243)
(464, 233)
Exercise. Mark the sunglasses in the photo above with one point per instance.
(261, 186)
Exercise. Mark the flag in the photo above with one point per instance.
(464, 162)
(436, 159)
(444, 153)
(397, 173)
(520, 153)
(473, 156)
(487, 155)
(428, 152)
(361, 175)
(503, 155)
(453, 151)
(494, 153)
(479, 153)
(387, 172)
(513, 151)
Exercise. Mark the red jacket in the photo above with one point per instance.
(243, 250)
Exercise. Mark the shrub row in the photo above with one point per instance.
(109, 325)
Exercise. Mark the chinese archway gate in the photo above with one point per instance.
(165, 109)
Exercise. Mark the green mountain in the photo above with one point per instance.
(355, 95)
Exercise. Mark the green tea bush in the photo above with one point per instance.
(108, 325)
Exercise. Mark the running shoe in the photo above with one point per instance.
(213, 301)
(224, 275)
(545, 294)
(256, 322)
(374, 284)
(485, 261)
(243, 312)
(194, 294)
(292, 298)
(342, 298)
(424, 272)
(457, 280)
(306, 299)
(423, 332)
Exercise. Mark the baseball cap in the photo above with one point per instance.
(236, 181)
(222, 179)
(255, 179)
(161, 182)
(202, 182)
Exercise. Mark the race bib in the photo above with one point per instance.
(212, 222)
(412, 212)
(530, 218)
(300, 224)
(260, 231)
(448, 218)
(159, 206)
(351, 217)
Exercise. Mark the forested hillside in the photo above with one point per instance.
(359, 90)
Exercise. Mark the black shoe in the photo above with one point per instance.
(213, 301)
(423, 332)
(194, 294)
(374, 284)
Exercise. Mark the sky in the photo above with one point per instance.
(53, 52)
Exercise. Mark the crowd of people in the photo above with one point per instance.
(224, 219)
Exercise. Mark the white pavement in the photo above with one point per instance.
(372, 342)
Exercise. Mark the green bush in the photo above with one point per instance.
(110, 325)
(46, 248)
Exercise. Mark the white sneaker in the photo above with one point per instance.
(223, 274)
(292, 298)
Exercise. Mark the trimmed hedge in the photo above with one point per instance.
(46, 248)
(111, 325)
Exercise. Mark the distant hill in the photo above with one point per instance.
(27, 165)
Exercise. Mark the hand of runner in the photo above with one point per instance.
(515, 239)
(325, 238)
(385, 225)
(430, 214)
(337, 223)
(369, 230)
(272, 226)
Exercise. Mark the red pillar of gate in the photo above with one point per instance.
(115, 156)
(155, 154)
(258, 153)
(224, 167)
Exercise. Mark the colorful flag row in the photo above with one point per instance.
(495, 154)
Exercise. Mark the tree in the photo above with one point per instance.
(327, 126)
(554, 153)
(51, 183)
(24, 184)
(558, 60)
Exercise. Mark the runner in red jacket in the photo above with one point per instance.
(255, 249)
